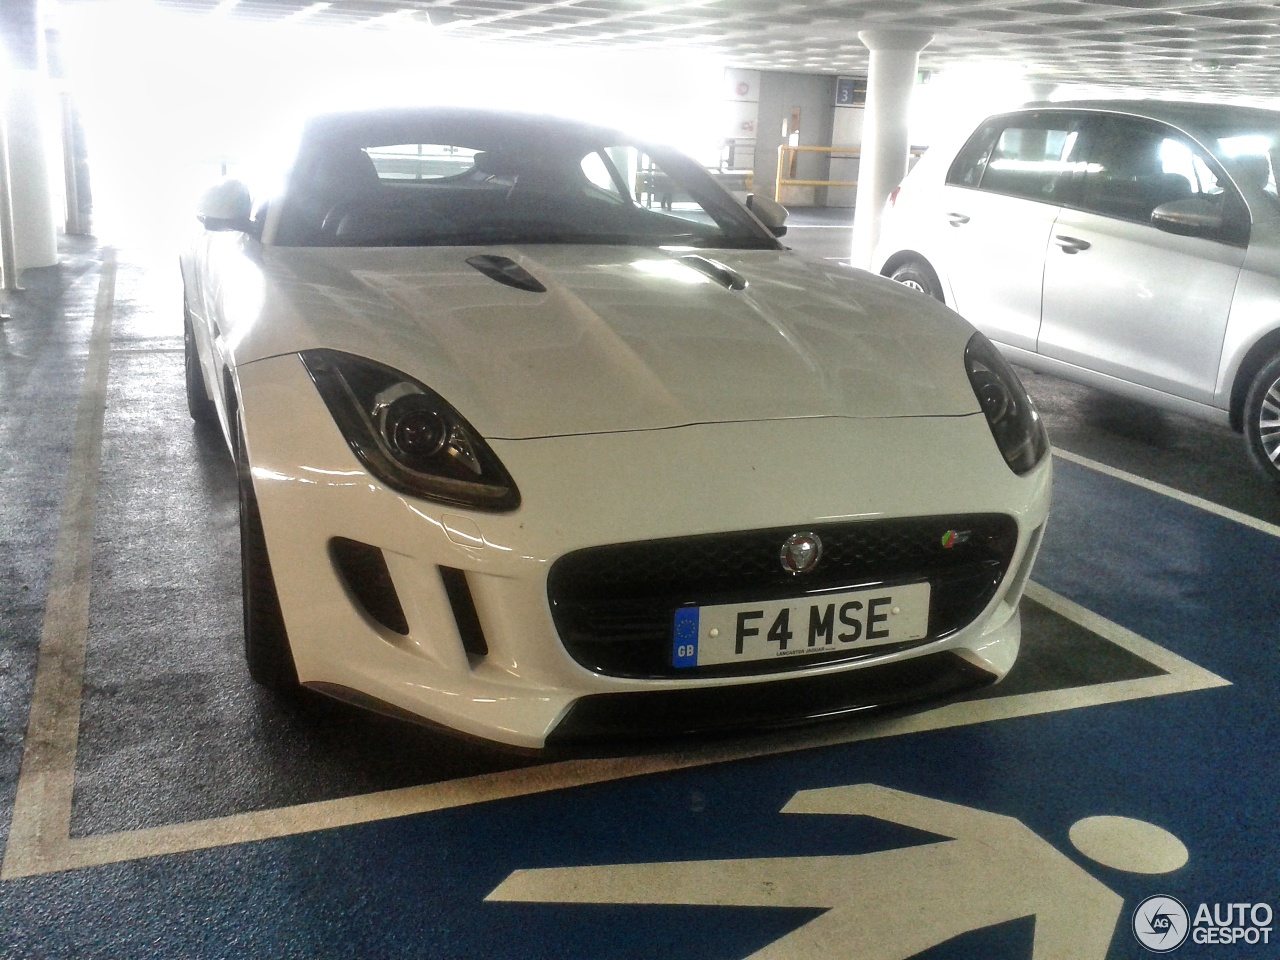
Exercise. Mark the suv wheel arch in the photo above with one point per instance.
(910, 261)
(1257, 358)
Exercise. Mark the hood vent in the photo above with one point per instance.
(727, 278)
(505, 270)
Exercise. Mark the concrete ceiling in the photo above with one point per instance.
(1206, 47)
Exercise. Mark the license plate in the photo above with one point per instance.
(742, 632)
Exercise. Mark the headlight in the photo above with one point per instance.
(409, 437)
(1013, 419)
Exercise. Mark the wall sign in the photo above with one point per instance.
(851, 91)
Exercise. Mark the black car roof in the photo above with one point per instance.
(1183, 113)
(413, 122)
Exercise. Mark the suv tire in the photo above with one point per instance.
(1262, 419)
(918, 276)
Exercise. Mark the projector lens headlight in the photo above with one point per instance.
(1015, 423)
(408, 436)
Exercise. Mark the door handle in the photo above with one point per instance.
(957, 219)
(1071, 244)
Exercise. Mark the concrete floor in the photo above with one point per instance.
(156, 803)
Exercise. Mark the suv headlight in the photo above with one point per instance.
(1013, 418)
(408, 436)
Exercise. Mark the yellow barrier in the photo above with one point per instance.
(787, 155)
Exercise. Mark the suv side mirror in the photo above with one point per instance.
(1189, 217)
(769, 212)
(225, 206)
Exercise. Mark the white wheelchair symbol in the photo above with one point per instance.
(894, 904)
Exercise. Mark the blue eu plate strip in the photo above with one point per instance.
(684, 644)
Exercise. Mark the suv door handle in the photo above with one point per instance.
(1071, 244)
(957, 219)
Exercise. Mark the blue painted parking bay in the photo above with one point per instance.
(1132, 755)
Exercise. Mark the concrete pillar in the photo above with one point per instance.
(8, 262)
(75, 162)
(26, 101)
(891, 76)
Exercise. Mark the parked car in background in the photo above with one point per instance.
(541, 435)
(1130, 245)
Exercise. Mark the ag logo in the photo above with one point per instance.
(1161, 923)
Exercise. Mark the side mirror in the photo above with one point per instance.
(225, 206)
(769, 212)
(1189, 217)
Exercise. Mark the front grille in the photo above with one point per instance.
(614, 606)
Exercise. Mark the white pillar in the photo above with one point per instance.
(8, 262)
(891, 76)
(26, 102)
(35, 231)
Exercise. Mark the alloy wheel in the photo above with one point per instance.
(1269, 423)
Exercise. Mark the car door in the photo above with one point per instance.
(1125, 298)
(1003, 194)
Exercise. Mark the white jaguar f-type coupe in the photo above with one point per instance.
(543, 436)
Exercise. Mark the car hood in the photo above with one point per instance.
(622, 338)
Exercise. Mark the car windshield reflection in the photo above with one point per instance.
(460, 184)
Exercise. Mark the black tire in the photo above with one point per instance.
(266, 643)
(201, 408)
(918, 276)
(1262, 420)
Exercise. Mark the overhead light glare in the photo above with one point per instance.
(1211, 66)
(307, 12)
(397, 18)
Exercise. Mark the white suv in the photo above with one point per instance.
(1130, 245)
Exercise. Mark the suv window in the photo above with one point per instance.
(969, 164)
(1031, 155)
(1137, 165)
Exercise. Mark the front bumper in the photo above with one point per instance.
(788, 701)
(477, 648)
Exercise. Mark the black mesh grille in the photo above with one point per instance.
(615, 606)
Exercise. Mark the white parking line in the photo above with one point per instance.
(41, 825)
(1209, 506)
(39, 838)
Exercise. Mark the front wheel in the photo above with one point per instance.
(266, 643)
(918, 276)
(199, 405)
(1262, 420)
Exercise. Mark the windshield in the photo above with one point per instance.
(487, 182)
